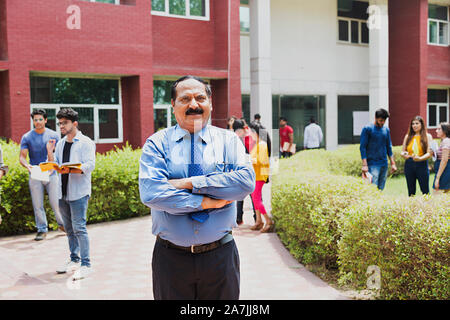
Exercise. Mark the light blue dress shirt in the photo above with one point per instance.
(82, 151)
(228, 174)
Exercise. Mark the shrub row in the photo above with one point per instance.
(115, 191)
(340, 222)
(347, 161)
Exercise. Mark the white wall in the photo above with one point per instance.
(307, 58)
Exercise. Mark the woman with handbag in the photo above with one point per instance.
(260, 160)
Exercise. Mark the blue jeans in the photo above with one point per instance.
(37, 198)
(379, 174)
(74, 217)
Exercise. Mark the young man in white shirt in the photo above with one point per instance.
(313, 135)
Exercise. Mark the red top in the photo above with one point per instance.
(284, 134)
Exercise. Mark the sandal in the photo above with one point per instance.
(267, 228)
(257, 226)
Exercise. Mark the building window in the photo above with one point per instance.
(104, 1)
(97, 102)
(192, 9)
(437, 107)
(353, 115)
(438, 25)
(352, 22)
(244, 16)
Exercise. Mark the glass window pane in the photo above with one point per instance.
(160, 119)
(197, 8)
(347, 105)
(162, 91)
(74, 90)
(432, 121)
(159, 5)
(353, 9)
(245, 98)
(443, 114)
(177, 7)
(364, 33)
(437, 95)
(105, 1)
(432, 31)
(355, 32)
(437, 12)
(109, 123)
(443, 33)
(40, 90)
(298, 110)
(244, 16)
(86, 121)
(343, 30)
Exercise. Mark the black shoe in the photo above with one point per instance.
(40, 236)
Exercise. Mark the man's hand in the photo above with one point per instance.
(393, 167)
(365, 169)
(51, 145)
(209, 203)
(184, 183)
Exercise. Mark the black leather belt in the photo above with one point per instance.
(201, 248)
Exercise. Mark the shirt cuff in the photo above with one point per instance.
(194, 202)
(198, 182)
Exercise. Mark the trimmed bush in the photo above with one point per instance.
(340, 222)
(115, 191)
(347, 161)
(408, 239)
(306, 206)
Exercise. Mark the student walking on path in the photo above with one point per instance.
(75, 189)
(441, 167)
(34, 143)
(260, 160)
(375, 145)
(416, 149)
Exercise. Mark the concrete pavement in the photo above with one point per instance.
(121, 261)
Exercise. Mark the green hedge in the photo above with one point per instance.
(115, 191)
(347, 161)
(407, 239)
(340, 222)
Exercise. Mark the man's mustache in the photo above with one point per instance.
(194, 111)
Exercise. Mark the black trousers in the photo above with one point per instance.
(181, 275)
(417, 171)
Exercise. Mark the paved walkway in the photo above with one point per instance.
(121, 258)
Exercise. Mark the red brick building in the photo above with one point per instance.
(106, 58)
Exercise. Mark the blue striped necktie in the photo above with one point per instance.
(195, 169)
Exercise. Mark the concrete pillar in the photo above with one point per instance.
(260, 62)
(331, 120)
(378, 56)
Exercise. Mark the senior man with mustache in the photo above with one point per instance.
(190, 175)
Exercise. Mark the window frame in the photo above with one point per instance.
(188, 13)
(349, 31)
(96, 107)
(438, 106)
(438, 21)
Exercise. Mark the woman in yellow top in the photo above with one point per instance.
(260, 160)
(416, 150)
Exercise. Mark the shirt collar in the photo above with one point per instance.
(180, 133)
